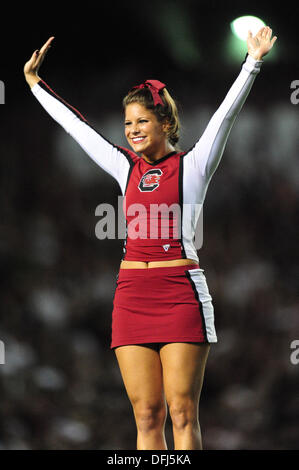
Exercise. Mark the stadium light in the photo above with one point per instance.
(240, 26)
(236, 45)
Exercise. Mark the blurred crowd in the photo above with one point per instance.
(60, 386)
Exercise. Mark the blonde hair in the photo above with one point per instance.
(166, 114)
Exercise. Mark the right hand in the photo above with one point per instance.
(31, 67)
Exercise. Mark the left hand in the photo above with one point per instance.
(260, 44)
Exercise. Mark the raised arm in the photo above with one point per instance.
(207, 152)
(111, 158)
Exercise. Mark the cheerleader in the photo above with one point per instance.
(163, 316)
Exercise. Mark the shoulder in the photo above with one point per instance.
(131, 156)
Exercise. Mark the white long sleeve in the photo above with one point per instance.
(111, 158)
(201, 161)
(207, 152)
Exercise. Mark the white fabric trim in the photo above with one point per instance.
(200, 284)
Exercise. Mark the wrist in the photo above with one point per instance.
(255, 56)
(32, 79)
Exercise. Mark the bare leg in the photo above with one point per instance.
(183, 372)
(141, 370)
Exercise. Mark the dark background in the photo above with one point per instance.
(60, 385)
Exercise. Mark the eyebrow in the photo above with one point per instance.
(141, 117)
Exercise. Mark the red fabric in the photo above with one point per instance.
(152, 232)
(154, 86)
(156, 305)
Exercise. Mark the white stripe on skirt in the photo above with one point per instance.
(201, 291)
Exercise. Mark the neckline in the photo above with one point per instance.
(156, 162)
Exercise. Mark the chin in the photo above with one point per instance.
(140, 149)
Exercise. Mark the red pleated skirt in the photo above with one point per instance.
(160, 305)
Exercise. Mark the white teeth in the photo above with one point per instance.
(137, 139)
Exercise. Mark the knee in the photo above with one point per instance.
(183, 412)
(149, 416)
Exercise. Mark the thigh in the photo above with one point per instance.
(183, 369)
(141, 370)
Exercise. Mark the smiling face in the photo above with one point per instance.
(144, 132)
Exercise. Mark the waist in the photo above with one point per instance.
(156, 264)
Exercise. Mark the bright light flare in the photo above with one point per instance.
(241, 25)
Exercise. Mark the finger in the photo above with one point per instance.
(259, 34)
(32, 60)
(40, 55)
(269, 32)
(273, 40)
(34, 55)
(46, 46)
(249, 36)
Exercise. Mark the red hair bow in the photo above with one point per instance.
(154, 86)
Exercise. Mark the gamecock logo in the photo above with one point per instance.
(150, 180)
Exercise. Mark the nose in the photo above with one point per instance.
(135, 129)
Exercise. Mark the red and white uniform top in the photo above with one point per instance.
(164, 198)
